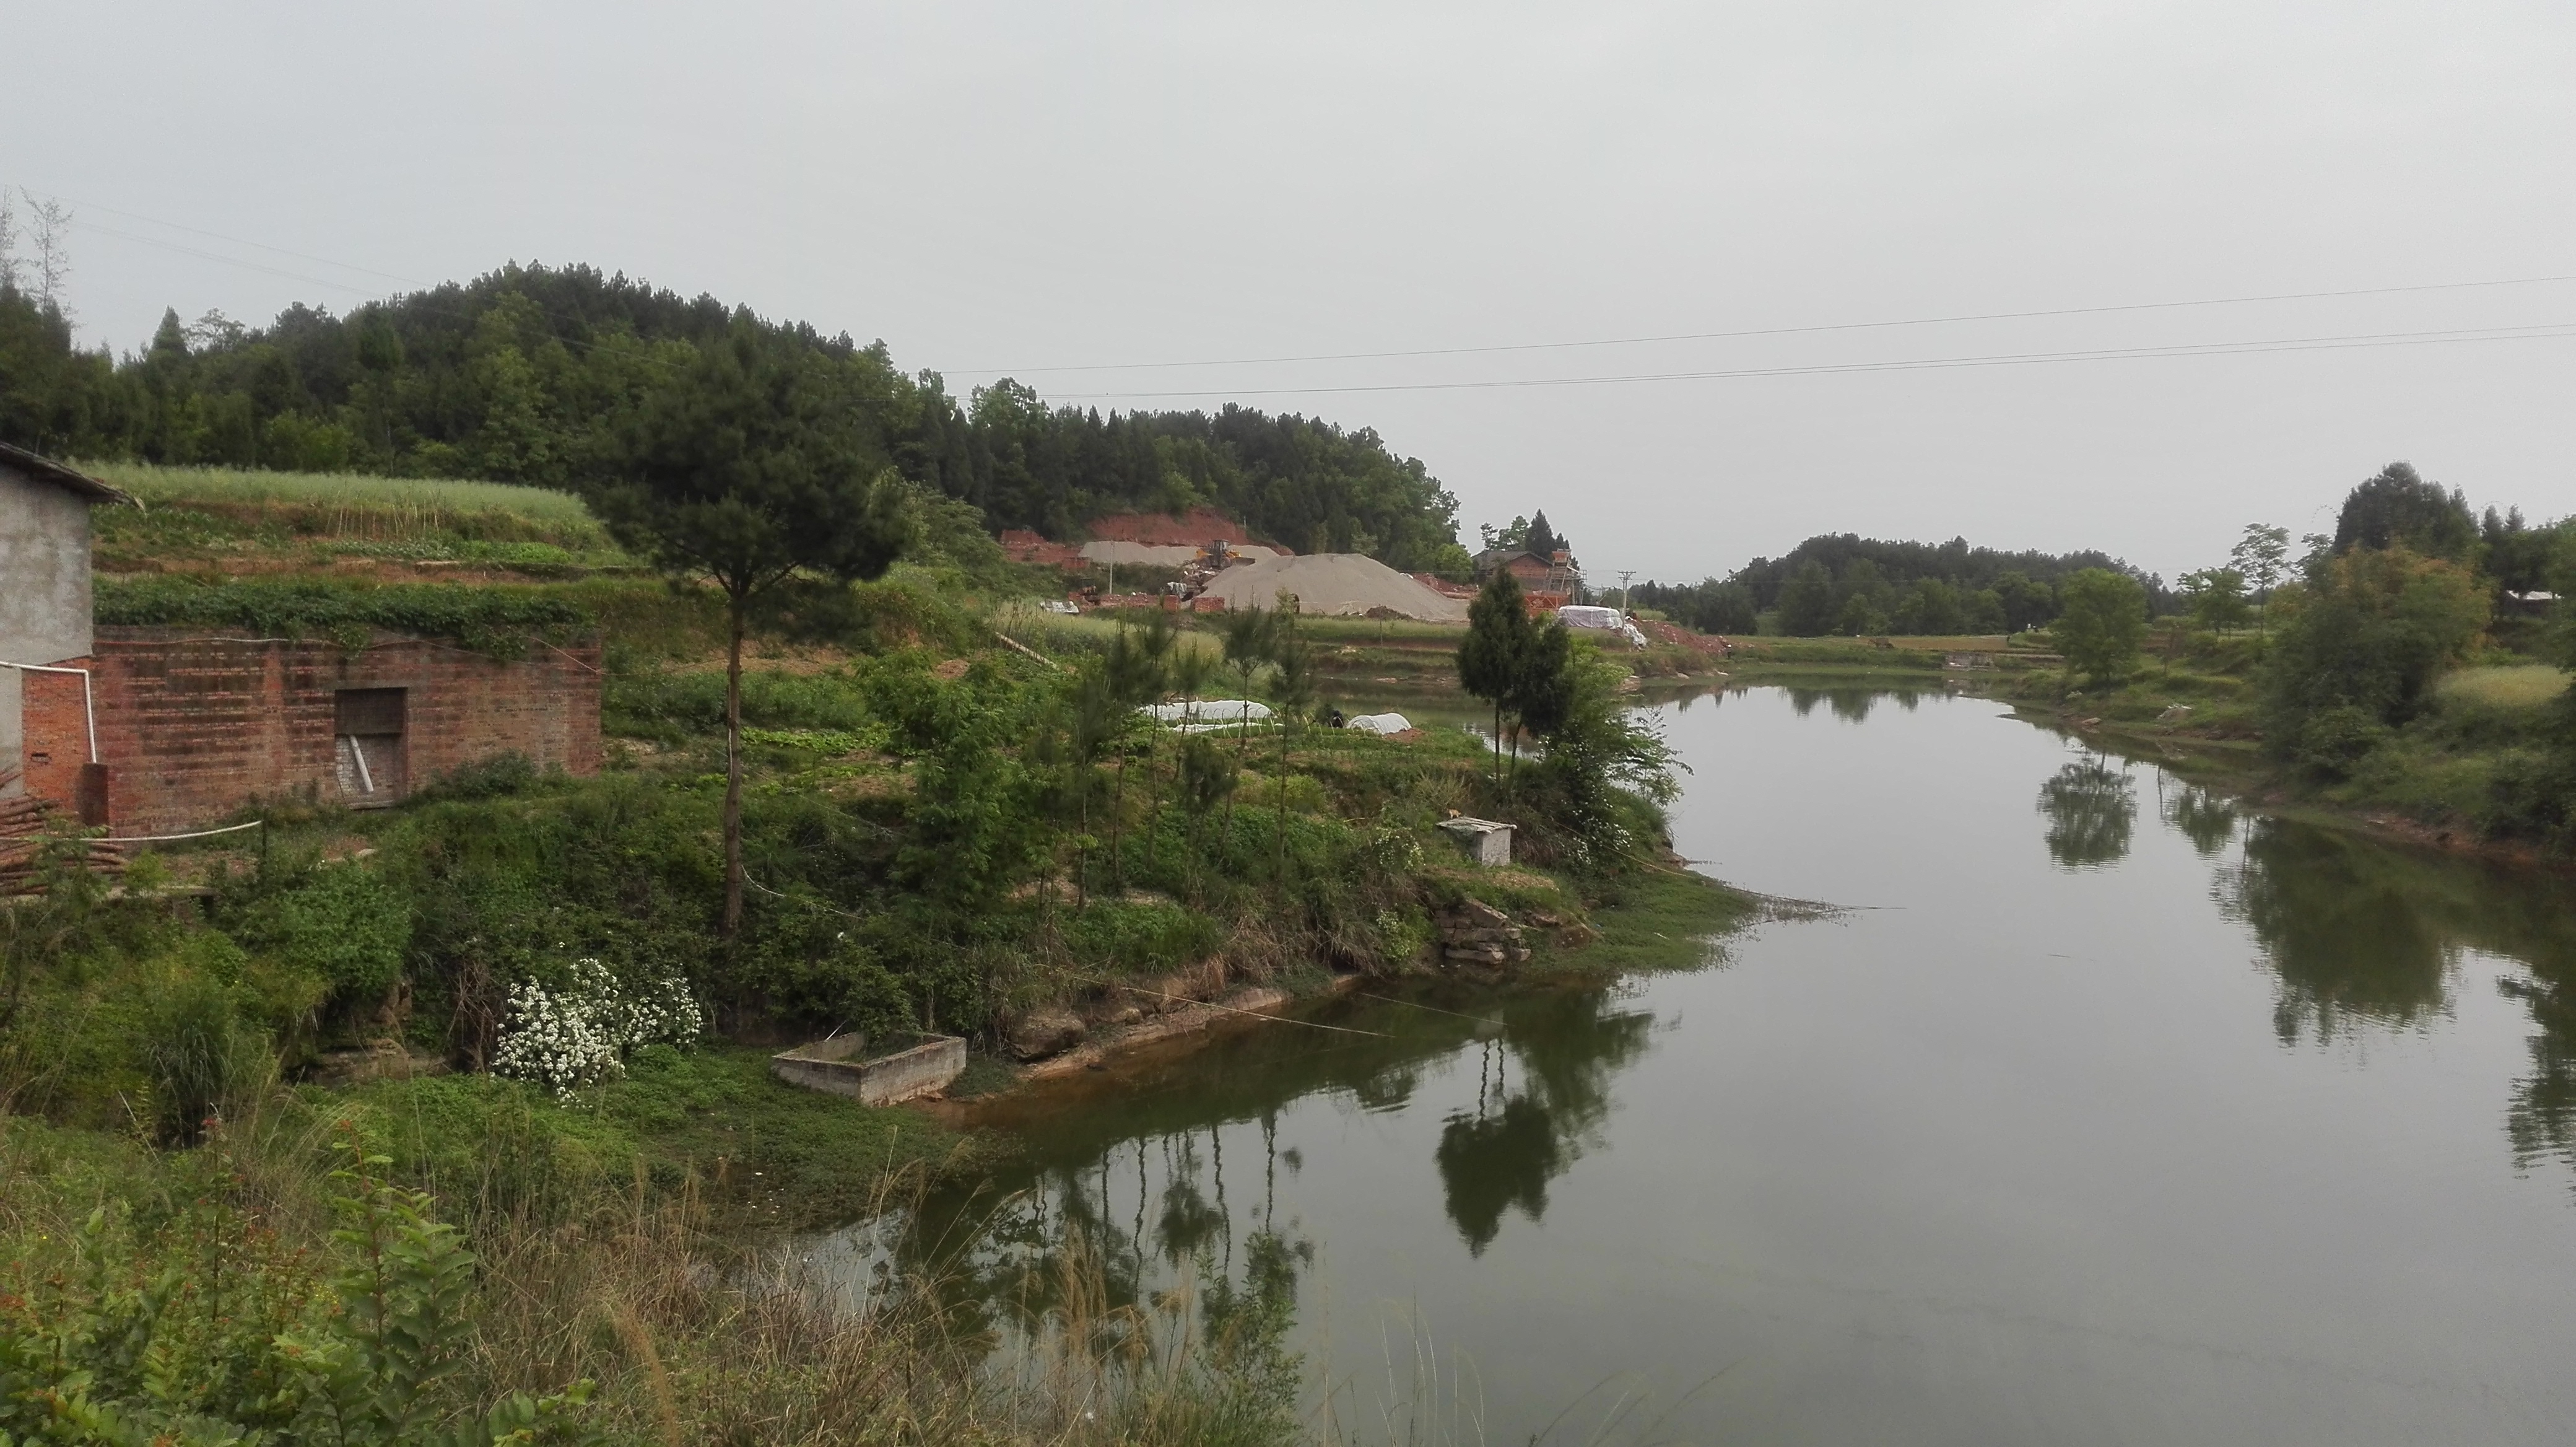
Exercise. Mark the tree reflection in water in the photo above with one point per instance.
(2091, 809)
(1141, 1190)
(2359, 934)
(1851, 705)
(1503, 1153)
(2206, 817)
(2344, 926)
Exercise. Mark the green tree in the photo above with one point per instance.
(2215, 598)
(1541, 698)
(1542, 539)
(1724, 608)
(1861, 615)
(1250, 638)
(2358, 650)
(2101, 622)
(2398, 508)
(747, 467)
(1499, 634)
(2262, 558)
(1931, 606)
(1292, 693)
(2027, 602)
(1807, 603)
(2517, 555)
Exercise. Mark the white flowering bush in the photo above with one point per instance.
(579, 1034)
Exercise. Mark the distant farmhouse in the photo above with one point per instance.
(165, 729)
(1555, 574)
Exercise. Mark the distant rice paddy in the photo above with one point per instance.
(2510, 686)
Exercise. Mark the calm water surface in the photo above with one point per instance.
(2105, 1116)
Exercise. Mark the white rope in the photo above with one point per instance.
(170, 838)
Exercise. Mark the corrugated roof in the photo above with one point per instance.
(45, 469)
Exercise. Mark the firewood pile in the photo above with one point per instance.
(24, 822)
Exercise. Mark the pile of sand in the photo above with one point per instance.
(1334, 585)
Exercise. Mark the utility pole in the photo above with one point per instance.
(1624, 575)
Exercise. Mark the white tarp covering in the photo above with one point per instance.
(1199, 715)
(1607, 620)
(1379, 723)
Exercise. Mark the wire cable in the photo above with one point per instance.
(2541, 332)
(186, 250)
(1807, 330)
(219, 236)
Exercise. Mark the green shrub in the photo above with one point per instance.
(498, 777)
(490, 620)
(1119, 938)
(206, 1328)
(2329, 742)
(673, 707)
(342, 923)
(202, 1056)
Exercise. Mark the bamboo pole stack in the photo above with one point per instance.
(27, 829)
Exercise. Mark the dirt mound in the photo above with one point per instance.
(1193, 529)
(1672, 633)
(1334, 585)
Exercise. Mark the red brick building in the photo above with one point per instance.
(192, 725)
(160, 730)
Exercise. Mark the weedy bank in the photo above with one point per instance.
(572, 1140)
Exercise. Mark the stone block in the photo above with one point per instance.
(1042, 1033)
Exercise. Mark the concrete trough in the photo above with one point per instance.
(900, 1071)
(1485, 841)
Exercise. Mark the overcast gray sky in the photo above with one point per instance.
(1016, 187)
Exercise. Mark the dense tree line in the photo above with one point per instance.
(524, 374)
(2405, 589)
(1844, 583)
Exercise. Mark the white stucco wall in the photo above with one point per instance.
(44, 589)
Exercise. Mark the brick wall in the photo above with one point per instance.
(193, 725)
(54, 732)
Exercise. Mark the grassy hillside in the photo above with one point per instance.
(943, 831)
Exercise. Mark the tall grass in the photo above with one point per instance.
(690, 1334)
(382, 509)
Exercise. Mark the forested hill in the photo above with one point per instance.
(1845, 583)
(518, 376)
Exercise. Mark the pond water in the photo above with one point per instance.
(2104, 1115)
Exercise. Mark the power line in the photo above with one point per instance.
(1808, 330)
(2005, 359)
(2329, 343)
(220, 236)
(185, 250)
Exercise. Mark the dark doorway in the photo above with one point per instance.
(368, 746)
